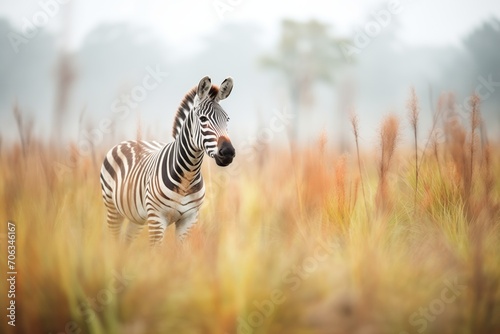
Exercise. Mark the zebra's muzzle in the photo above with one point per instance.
(223, 161)
(226, 152)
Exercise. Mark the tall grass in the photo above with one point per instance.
(389, 134)
(277, 249)
(355, 129)
(413, 114)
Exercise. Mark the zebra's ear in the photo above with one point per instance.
(225, 88)
(204, 87)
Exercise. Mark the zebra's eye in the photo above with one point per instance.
(203, 119)
(228, 119)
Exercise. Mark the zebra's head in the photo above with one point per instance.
(212, 120)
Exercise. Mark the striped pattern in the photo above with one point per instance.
(161, 184)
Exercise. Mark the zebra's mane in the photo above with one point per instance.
(186, 106)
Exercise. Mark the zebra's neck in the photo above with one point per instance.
(184, 160)
(182, 113)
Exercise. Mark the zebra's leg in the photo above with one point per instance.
(114, 220)
(156, 226)
(184, 224)
(133, 230)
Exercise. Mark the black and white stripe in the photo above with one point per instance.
(161, 183)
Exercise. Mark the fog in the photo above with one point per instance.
(307, 67)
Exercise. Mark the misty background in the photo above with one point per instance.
(67, 65)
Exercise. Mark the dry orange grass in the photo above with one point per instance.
(389, 134)
(285, 244)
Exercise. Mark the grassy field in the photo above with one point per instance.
(309, 242)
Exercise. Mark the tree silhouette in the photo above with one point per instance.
(483, 44)
(306, 53)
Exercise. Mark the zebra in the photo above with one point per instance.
(162, 184)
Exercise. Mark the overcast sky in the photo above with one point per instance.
(183, 23)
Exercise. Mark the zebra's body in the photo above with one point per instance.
(162, 184)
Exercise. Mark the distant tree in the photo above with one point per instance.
(306, 53)
(483, 44)
(23, 76)
(65, 72)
